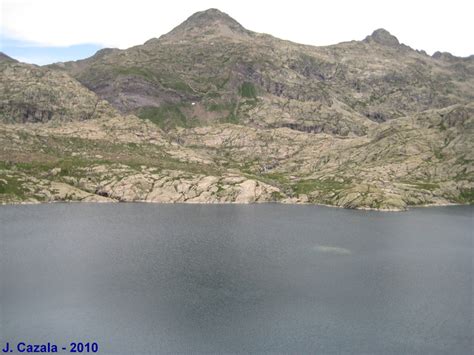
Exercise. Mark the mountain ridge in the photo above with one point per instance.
(257, 60)
(212, 112)
(211, 16)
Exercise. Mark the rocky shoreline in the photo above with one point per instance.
(104, 201)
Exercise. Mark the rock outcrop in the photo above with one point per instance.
(33, 94)
(383, 37)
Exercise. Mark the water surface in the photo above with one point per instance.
(144, 278)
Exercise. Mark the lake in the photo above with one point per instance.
(147, 278)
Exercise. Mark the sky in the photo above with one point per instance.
(47, 31)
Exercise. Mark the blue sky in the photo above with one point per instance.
(33, 53)
(46, 31)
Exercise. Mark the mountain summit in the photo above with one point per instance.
(383, 37)
(211, 22)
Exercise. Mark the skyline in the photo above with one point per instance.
(29, 29)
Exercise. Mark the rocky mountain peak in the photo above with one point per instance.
(211, 22)
(383, 37)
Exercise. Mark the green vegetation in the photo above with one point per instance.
(231, 118)
(279, 178)
(466, 196)
(69, 166)
(212, 95)
(423, 185)
(248, 90)
(135, 71)
(228, 109)
(438, 154)
(171, 81)
(167, 116)
(219, 106)
(178, 86)
(277, 196)
(310, 185)
(11, 186)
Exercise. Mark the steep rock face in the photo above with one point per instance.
(33, 94)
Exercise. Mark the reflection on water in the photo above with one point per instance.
(140, 278)
(332, 250)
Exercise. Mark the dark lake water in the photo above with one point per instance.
(144, 278)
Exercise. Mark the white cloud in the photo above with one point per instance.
(430, 25)
(36, 60)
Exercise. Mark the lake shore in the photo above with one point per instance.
(110, 201)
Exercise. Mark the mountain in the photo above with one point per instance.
(34, 94)
(213, 112)
(210, 69)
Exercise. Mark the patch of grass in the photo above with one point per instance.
(277, 177)
(463, 161)
(310, 185)
(212, 95)
(67, 166)
(464, 176)
(466, 196)
(232, 117)
(172, 81)
(423, 185)
(217, 107)
(228, 108)
(248, 90)
(179, 86)
(135, 71)
(167, 116)
(11, 186)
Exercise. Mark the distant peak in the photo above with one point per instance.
(210, 12)
(208, 22)
(101, 53)
(105, 51)
(383, 37)
(210, 15)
